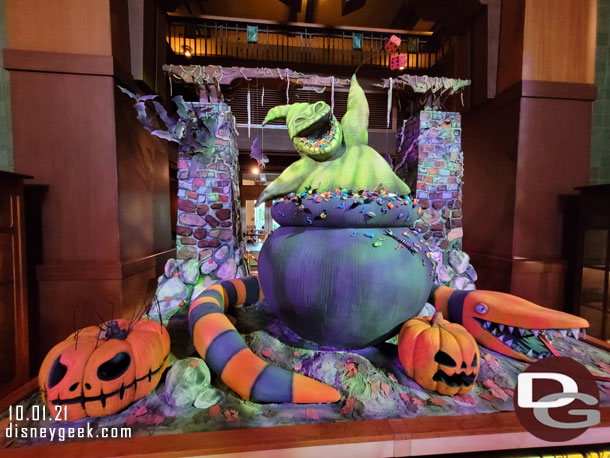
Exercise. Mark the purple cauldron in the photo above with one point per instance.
(339, 273)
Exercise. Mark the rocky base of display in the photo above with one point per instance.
(184, 279)
(371, 380)
(453, 269)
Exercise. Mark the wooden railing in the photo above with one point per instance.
(216, 37)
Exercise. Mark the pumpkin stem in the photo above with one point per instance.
(113, 331)
(437, 319)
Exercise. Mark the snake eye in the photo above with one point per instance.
(481, 309)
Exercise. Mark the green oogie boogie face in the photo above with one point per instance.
(312, 127)
(334, 155)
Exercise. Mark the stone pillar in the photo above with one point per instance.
(439, 177)
(438, 158)
(208, 227)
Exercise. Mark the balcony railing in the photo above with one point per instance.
(215, 37)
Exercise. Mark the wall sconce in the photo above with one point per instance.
(188, 52)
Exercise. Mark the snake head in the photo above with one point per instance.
(505, 323)
(312, 127)
(513, 326)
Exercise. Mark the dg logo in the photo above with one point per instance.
(556, 399)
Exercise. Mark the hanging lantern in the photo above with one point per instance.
(392, 44)
(398, 62)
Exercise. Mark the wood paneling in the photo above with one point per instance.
(119, 33)
(250, 193)
(75, 271)
(559, 40)
(538, 280)
(136, 266)
(592, 248)
(138, 291)
(521, 152)
(494, 15)
(143, 185)
(68, 305)
(490, 141)
(105, 216)
(148, 48)
(541, 282)
(58, 62)
(547, 40)
(528, 146)
(67, 26)
(75, 154)
(137, 18)
(8, 355)
(73, 295)
(554, 144)
(510, 50)
(494, 272)
(14, 348)
(16, 396)
(557, 90)
(105, 223)
(478, 58)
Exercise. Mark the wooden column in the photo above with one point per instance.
(14, 358)
(529, 145)
(105, 217)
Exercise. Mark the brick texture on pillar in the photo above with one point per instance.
(208, 203)
(439, 176)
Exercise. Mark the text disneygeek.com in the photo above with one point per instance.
(60, 434)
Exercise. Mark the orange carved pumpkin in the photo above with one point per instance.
(439, 355)
(100, 370)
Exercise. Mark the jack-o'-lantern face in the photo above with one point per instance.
(101, 370)
(439, 355)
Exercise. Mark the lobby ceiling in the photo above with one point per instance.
(421, 15)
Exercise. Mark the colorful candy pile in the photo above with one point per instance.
(362, 197)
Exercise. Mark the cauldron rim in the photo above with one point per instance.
(340, 210)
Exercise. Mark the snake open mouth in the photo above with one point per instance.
(319, 138)
(526, 341)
